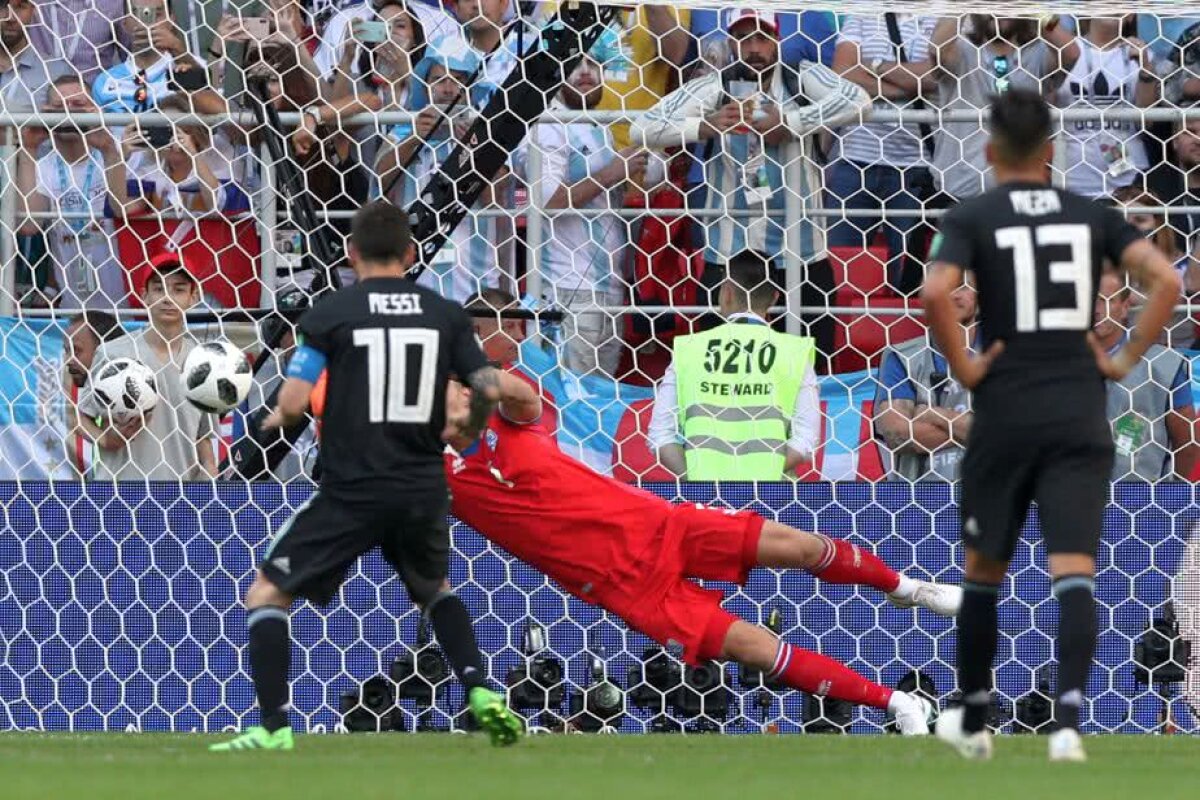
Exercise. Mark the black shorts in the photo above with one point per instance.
(310, 553)
(1065, 468)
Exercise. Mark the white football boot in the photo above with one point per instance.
(1067, 745)
(940, 598)
(972, 746)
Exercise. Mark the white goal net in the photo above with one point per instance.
(211, 154)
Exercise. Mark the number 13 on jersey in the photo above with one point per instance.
(1025, 243)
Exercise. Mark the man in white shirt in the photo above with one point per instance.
(24, 74)
(883, 165)
(581, 256)
(745, 299)
(72, 181)
(174, 442)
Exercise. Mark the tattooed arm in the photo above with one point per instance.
(485, 394)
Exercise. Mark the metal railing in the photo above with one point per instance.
(265, 207)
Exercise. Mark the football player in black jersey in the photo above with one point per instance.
(1039, 432)
(388, 347)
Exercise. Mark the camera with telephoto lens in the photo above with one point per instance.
(652, 682)
(826, 714)
(371, 709)
(1161, 655)
(600, 705)
(1034, 713)
(538, 683)
(703, 695)
(420, 672)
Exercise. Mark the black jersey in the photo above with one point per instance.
(390, 347)
(1036, 253)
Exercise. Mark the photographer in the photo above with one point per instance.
(158, 72)
(385, 69)
(278, 43)
(176, 175)
(72, 179)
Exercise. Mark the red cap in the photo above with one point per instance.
(739, 16)
(168, 261)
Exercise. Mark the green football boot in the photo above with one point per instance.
(502, 725)
(257, 738)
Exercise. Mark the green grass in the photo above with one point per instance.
(364, 767)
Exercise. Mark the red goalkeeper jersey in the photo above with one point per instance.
(581, 528)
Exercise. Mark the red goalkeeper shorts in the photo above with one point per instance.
(654, 595)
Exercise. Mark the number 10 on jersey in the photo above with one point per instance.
(390, 353)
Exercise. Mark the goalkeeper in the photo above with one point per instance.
(633, 554)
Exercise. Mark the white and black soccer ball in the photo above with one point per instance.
(124, 388)
(216, 377)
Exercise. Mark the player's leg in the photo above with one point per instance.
(419, 549)
(997, 488)
(820, 675)
(676, 612)
(718, 544)
(839, 561)
(308, 558)
(268, 650)
(1072, 492)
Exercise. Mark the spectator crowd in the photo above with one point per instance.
(749, 174)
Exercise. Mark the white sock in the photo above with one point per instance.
(906, 587)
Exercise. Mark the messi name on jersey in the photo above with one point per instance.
(394, 303)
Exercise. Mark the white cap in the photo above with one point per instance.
(766, 19)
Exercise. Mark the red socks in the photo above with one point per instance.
(847, 563)
(816, 674)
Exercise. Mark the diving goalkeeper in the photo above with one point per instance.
(634, 554)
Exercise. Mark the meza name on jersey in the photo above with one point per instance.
(1035, 203)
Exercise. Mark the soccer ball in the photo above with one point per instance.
(124, 388)
(216, 377)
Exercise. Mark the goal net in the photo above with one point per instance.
(582, 188)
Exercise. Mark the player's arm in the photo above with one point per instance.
(1155, 276)
(488, 387)
(943, 280)
(304, 370)
(1181, 422)
(519, 402)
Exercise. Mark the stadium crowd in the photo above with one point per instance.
(746, 144)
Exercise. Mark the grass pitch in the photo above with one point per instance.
(364, 767)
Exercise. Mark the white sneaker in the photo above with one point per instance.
(913, 713)
(1067, 745)
(940, 598)
(972, 746)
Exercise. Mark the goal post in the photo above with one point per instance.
(605, 222)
